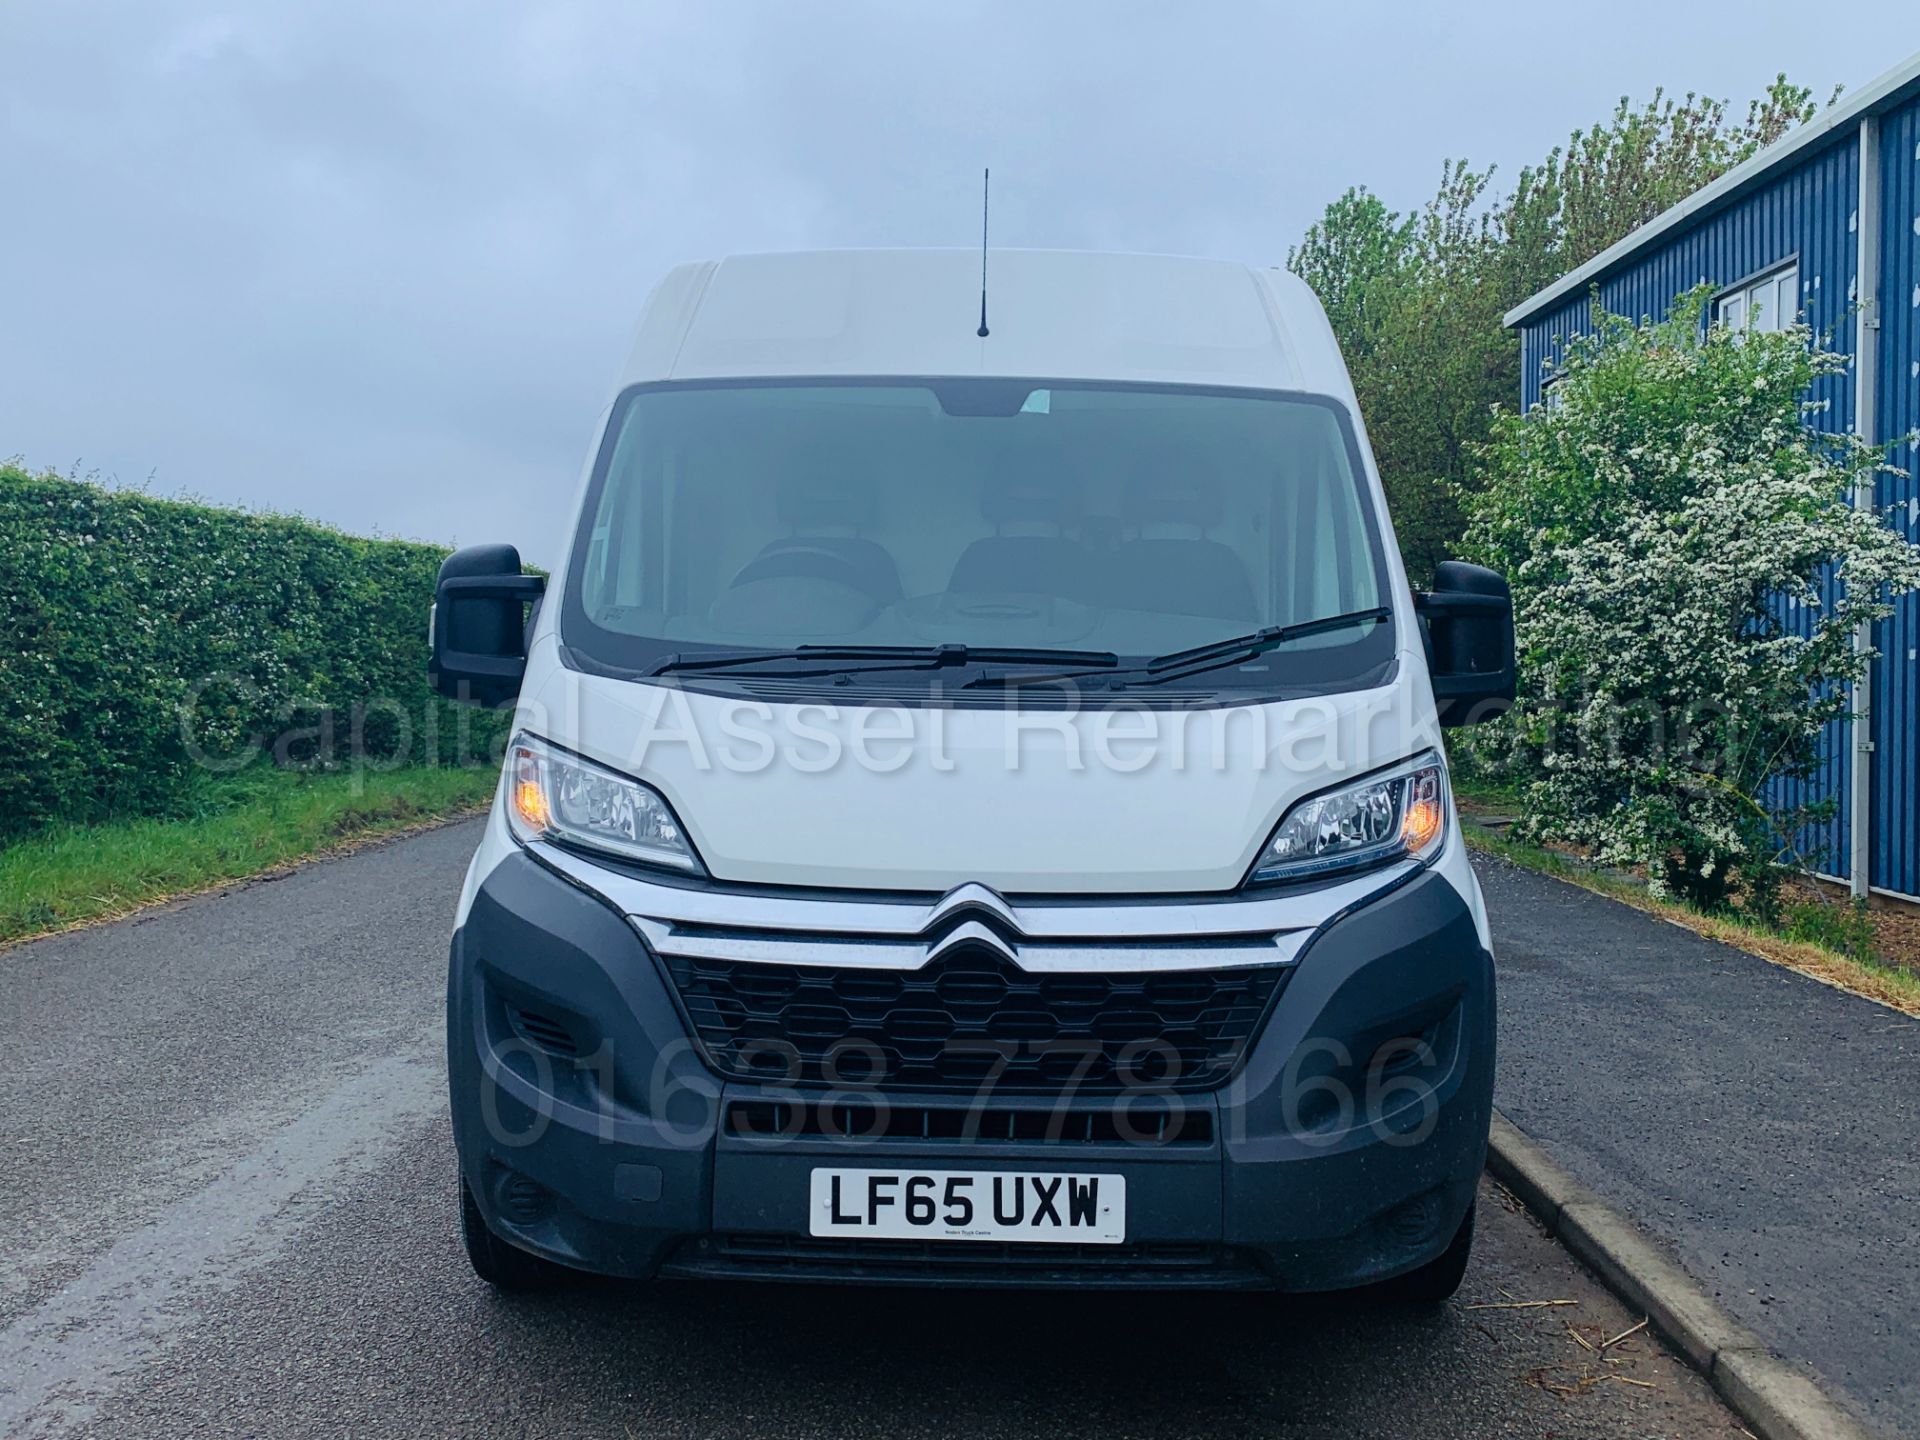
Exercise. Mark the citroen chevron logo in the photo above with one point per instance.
(969, 897)
(972, 933)
(984, 919)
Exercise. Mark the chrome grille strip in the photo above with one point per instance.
(1037, 957)
(1094, 934)
(777, 948)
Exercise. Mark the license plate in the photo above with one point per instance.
(970, 1205)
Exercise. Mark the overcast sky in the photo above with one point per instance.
(377, 262)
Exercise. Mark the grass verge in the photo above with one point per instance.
(1890, 985)
(242, 827)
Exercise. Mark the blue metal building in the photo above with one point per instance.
(1825, 222)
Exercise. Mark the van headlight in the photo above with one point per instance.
(552, 795)
(1399, 815)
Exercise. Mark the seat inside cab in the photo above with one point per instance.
(1037, 546)
(1173, 564)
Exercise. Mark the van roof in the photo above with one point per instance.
(1052, 314)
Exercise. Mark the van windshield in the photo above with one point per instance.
(986, 513)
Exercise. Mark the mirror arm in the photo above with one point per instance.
(1444, 603)
(495, 587)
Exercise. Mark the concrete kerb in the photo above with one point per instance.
(1774, 1399)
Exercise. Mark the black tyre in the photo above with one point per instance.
(1434, 1282)
(502, 1265)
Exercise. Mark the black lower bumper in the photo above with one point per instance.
(1345, 1149)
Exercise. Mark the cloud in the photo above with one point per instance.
(378, 263)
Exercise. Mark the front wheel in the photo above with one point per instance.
(1434, 1282)
(502, 1265)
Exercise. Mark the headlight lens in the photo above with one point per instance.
(556, 796)
(1399, 815)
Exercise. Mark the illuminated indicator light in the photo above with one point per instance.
(1422, 824)
(531, 803)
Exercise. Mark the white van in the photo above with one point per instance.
(976, 810)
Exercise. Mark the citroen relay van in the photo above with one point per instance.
(976, 809)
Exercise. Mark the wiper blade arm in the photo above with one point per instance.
(884, 657)
(1237, 649)
(1213, 655)
(1032, 655)
(731, 659)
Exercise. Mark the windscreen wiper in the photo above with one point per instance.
(1238, 649)
(1234, 650)
(1216, 653)
(835, 659)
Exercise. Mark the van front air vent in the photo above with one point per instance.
(1143, 1120)
(543, 1030)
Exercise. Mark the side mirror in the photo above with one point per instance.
(1469, 615)
(477, 637)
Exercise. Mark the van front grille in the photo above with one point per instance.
(972, 1021)
(1174, 1123)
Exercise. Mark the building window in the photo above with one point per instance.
(1766, 302)
(1550, 396)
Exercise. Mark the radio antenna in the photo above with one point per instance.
(986, 181)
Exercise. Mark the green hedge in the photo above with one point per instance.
(147, 644)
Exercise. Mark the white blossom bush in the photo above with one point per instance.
(1687, 574)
